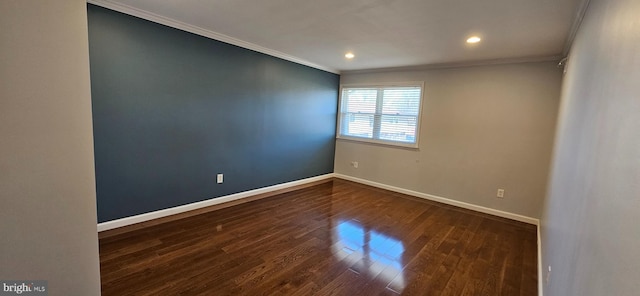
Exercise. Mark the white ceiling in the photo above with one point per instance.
(381, 33)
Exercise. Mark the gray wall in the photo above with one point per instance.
(590, 228)
(47, 189)
(172, 109)
(482, 128)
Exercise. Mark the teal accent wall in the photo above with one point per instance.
(172, 109)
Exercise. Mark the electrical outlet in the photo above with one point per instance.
(500, 193)
(220, 178)
(354, 164)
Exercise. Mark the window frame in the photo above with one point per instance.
(372, 140)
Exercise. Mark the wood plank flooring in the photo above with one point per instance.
(335, 238)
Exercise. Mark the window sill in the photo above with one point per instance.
(382, 143)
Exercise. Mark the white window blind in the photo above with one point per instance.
(385, 114)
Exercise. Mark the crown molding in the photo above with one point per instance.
(555, 58)
(575, 25)
(146, 15)
(126, 9)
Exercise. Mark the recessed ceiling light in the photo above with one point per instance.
(474, 39)
(349, 55)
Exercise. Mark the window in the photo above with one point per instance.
(381, 114)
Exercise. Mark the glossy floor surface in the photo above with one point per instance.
(335, 238)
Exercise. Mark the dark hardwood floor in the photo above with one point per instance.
(335, 238)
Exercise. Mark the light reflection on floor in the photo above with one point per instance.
(373, 252)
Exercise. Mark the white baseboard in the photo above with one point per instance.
(237, 196)
(465, 205)
(540, 280)
(443, 200)
(202, 204)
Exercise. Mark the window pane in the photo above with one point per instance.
(359, 100)
(357, 125)
(399, 128)
(401, 101)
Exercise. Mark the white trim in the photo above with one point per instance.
(390, 143)
(202, 204)
(457, 65)
(443, 200)
(540, 280)
(382, 84)
(126, 9)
